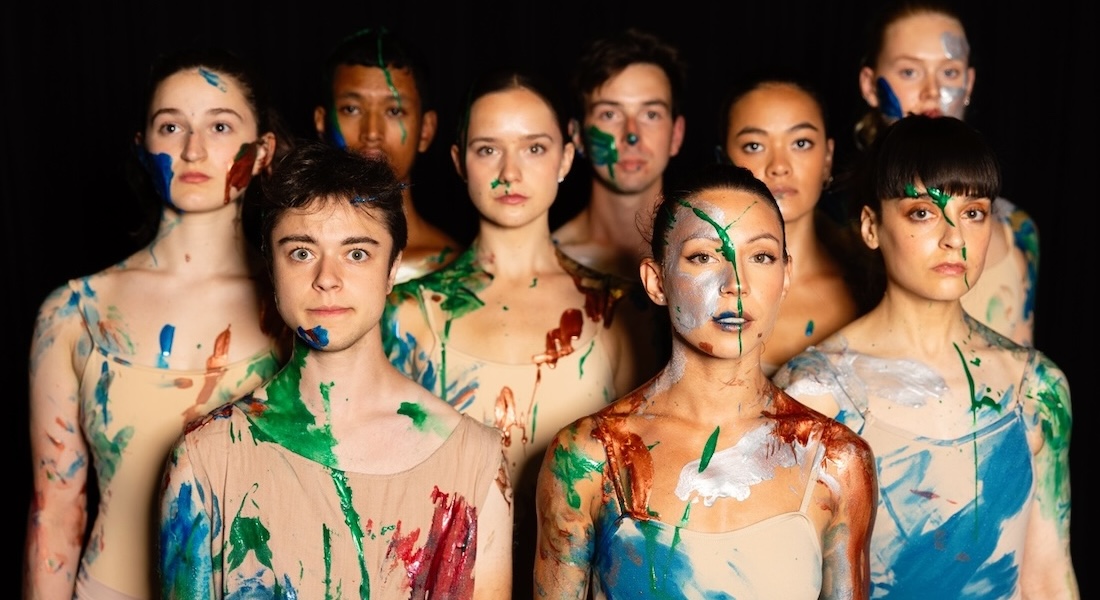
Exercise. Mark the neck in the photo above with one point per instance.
(918, 324)
(516, 252)
(805, 248)
(697, 386)
(206, 243)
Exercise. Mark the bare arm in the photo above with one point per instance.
(59, 454)
(1047, 569)
(566, 499)
(186, 565)
(846, 572)
(493, 571)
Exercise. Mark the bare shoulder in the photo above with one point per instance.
(575, 231)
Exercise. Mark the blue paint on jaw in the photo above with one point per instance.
(159, 167)
(317, 338)
(889, 105)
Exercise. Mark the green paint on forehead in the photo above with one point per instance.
(601, 149)
(393, 89)
(937, 196)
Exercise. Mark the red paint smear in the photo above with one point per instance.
(628, 458)
(601, 294)
(706, 347)
(183, 383)
(240, 173)
(559, 342)
(505, 417)
(446, 561)
(215, 370)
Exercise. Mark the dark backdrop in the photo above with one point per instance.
(73, 74)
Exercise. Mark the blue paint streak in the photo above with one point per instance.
(159, 168)
(888, 102)
(316, 338)
(186, 566)
(167, 335)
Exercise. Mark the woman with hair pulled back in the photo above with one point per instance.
(123, 359)
(970, 430)
(708, 481)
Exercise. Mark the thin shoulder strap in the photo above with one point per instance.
(815, 470)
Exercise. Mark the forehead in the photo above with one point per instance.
(365, 80)
(926, 34)
(778, 102)
(512, 108)
(639, 82)
(331, 218)
(197, 88)
(737, 211)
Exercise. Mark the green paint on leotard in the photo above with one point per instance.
(975, 404)
(708, 450)
(351, 518)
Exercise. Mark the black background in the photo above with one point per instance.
(73, 77)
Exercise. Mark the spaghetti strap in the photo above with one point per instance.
(811, 481)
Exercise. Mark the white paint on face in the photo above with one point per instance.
(694, 298)
(733, 471)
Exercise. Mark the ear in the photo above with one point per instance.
(577, 135)
(456, 158)
(830, 146)
(970, 75)
(265, 153)
(867, 87)
(393, 272)
(429, 124)
(319, 121)
(650, 272)
(788, 271)
(568, 153)
(679, 126)
(139, 138)
(868, 227)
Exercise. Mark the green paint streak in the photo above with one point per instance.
(937, 196)
(285, 419)
(494, 184)
(415, 412)
(248, 534)
(569, 466)
(708, 450)
(326, 536)
(351, 518)
(393, 88)
(505, 307)
(584, 357)
(975, 404)
(1052, 393)
(534, 419)
(534, 282)
(966, 278)
(601, 149)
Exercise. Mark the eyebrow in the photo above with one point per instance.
(309, 239)
(180, 113)
(792, 129)
(528, 137)
(654, 102)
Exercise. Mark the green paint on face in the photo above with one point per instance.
(569, 466)
(351, 518)
(708, 450)
(415, 412)
(287, 421)
(727, 250)
(601, 149)
(937, 196)
(534, 282)
(393, 88)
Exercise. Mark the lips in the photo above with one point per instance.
(729, 320)
(782, 192)
(511, 199)
(950, 269)
(193, 177)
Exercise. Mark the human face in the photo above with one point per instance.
(377, 112)
(933, 245)
(723, 275)
(629, 132)
(202, 142)
(331, 268)
(923, 68)
(778, 132)
(514, 158)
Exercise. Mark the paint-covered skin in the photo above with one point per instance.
(122, 408)
(256, 502)
(1004, 297)
(974, 474)
(740, 520)
(526, 401)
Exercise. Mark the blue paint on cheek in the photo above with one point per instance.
(332, 134)
(167, 334)
(317, 337)
(159, 168)
(888, 102)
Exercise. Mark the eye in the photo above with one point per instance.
(607, 115)
(975, 214)
(653, 115)
(952, 72)
(920, 214)
(907, 73)
(222, 127)
(300, 254)
(348, 109)
(484, 151)
(804, 144)
(395, 111)
(537, 149)
(763, 258)
(358, 255)
(168, 128)
(701, 258)
(752, 147)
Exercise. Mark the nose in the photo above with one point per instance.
(630, 132)
(930, 89)
(778, 163)
(370, 126)
(194, 149)
(328, 277)
(732, 282)
(951, 237)
(510, 171)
